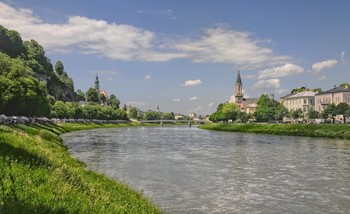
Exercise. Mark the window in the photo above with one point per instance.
(304, 101)
(304, 109)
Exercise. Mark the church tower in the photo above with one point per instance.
(239, 91)
(97, 83)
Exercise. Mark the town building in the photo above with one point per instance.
(100, 91)
(335, 96)
(247, 105)
(304, 100)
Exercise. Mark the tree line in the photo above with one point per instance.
(269, 110)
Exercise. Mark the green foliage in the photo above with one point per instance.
(101, 98)
(92, 95)
(59, 110)
(21, 93)
(37, 175)
(317, 90)
(11, 43)
(59, 68)
(269, 110)
(133, 112)
(114, 102)
(151, 115)
(345, 85)
(79, 96)
(168, 116)
(298, 90)
(225, 112)
(36, 57)
(313, 114)
(295, 114)
(308, 130)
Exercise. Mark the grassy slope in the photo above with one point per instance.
(340, 131)
(37, 175)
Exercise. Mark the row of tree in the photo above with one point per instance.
(268, 110)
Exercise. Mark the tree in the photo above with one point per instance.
(296, 114)
(151, 115)
(329, 112)
(79, 96)
(317, 90)
(11, 43)
(102, 98)
(266, 109)
(225, 111)
(21, 93)
(342, 109)
(92, 95)
(113, 101)
(297, 90)
(133, 112)
(59, 110)
(345, 85)
(313, 114)
(35, 52)
(59, 68)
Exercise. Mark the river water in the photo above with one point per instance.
(188, 170)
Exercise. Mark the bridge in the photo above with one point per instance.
(173, 121)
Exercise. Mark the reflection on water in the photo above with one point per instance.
(188, 170)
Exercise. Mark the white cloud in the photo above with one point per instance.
(126, 42)
(267, 84)
(342, 56)
(248, 76)
(176, 99)
(281, 71)
(147, 77)
(199, 108)
(85, 35)
(193, 98)
(317, 67)
(322, 78)
(211, 104)
(220, 45)
(192, 82)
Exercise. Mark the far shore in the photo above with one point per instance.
(337, 131)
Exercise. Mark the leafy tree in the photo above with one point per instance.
(74, 110)
(317, 90)
(113, 101)
(59, 110)
(345, 85)
(313, 114)
(133, 113)
(225, 112)
(151, 115)
(79, 96)
(342, 109)
(295, 114)
(168, 116)
(92, 95)
(35, 52)
(59, 68)
(297, 90)
(20, 93)
(11, 43)
(266, 109)
(102, 98)
(329, 112)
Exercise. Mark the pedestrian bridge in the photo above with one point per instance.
(174, 121)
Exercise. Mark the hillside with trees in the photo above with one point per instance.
(31, 86)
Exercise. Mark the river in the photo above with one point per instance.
(189, 170)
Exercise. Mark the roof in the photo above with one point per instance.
(248, 101)
(302, 94)
(336, 90)
(239, 78)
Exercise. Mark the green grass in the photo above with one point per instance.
(339, 131)
(37, 175)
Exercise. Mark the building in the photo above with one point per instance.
(304, 100)
(247, 105)
(335, 96)
(100, 91)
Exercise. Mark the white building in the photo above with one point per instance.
(304, 100)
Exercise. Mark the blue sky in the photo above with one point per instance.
(184, 55)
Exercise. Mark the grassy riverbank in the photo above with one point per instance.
(340, 131)
(37, 175)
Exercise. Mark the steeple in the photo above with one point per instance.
(97, 83)
(239, 81)
(239, 90)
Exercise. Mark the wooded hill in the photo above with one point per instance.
(28, 80)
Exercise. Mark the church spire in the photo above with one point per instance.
(238, 81)
(97, 83)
